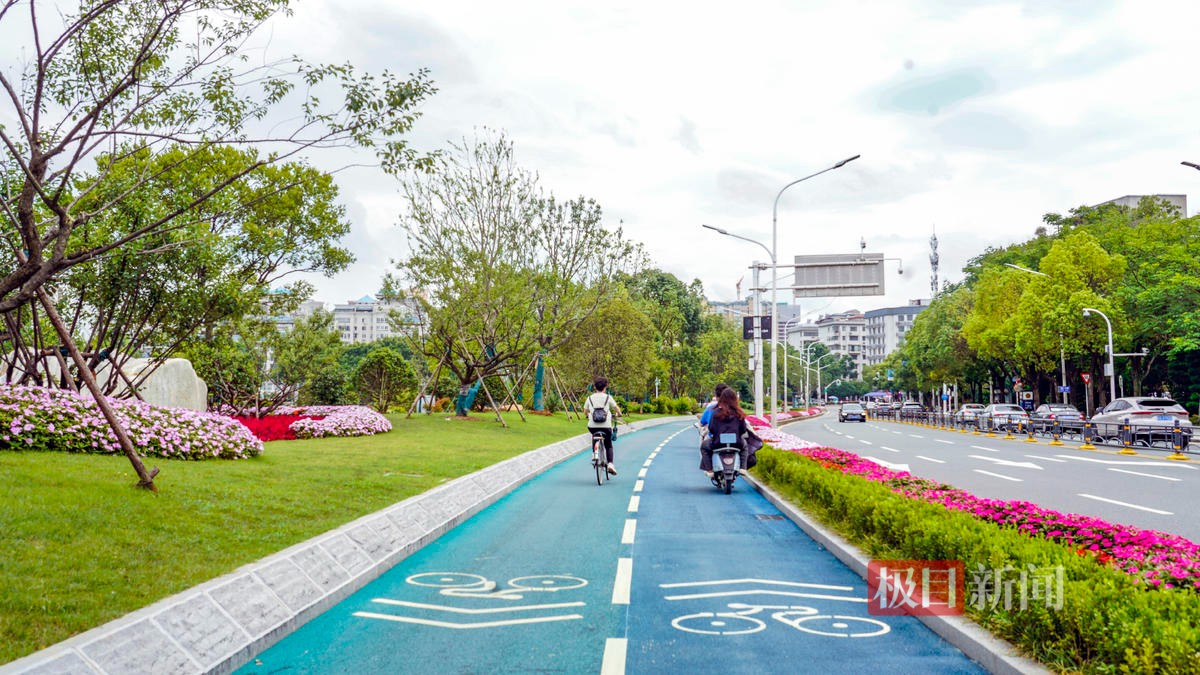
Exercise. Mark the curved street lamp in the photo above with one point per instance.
(1112, 372)
(1191, 164)
(775, 285)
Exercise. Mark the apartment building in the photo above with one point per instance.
(885, 329)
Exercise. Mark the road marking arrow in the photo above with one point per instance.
(1007, 462)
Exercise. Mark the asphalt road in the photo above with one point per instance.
(1144, 490)
(655, 571)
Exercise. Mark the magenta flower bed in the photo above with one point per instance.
(1156, 558)
(37, 418)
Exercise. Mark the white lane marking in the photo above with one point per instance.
(1132, 506)
(849, 436)
(938, 440)
(648, 462)
(980, 447)
(638, 485)
(916, 436)
(633, 503)
(630, 529)
(789, 594)
(1047, 459)
(482, 624)
(1006, 462)
(614, 656)
(1130, 462)
(884, 447)
(998, 475)
(642, 473)
(889, 465)
(930, 459)
(623, 582)
(464, 610)
(898, 433)
(765, 582)
(865, 442)
(1147, 475)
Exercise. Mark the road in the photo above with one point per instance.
(655, 571)
(1144, 490)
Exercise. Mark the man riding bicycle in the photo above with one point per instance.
(599, 423)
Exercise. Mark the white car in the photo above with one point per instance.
(1151, 419)
(1006, 416)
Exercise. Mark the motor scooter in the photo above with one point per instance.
(727, 462)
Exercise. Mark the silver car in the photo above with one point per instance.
(968, 412)
(1004, 416)
(1151, 420)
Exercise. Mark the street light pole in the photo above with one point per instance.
(1112, 372)
(1191, 164)
(758, 375)
(818, 367)
(775, 284)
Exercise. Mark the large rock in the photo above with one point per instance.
(173, 385)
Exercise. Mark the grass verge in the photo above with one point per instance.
(81, 546)
(1107, 622)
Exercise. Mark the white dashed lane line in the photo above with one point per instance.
(980, 447)
(623, 581)
(614, 656)
(1126, 504)
(637, 486)
(633, 503)
(942, 441)
(884, 447)
(930, 459)
(1147, 475)
(630, 531)
(916, 436)
(1047, 459)
(998, 475)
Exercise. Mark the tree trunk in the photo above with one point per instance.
(539, 375)
(147, 477)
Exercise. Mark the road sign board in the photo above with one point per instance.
(891, 374)
(1027, 396)
(838, 275)
(1087, 378)
(756, 327)
(1064, 389)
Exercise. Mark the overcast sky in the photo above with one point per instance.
(973, 119)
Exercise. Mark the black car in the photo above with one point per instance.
(852, 411)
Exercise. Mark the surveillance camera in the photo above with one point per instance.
(900, 271)
(1145, 350)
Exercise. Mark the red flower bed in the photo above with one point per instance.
(274, 427)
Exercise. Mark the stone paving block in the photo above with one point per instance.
(369, 540)
(410, 530)
(69, 663)
(347, 554)
(391, 536)
(252, 604)
(291, 585)
(321, 568)
(139, 648)
(202, 628)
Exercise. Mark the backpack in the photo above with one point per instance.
(600, 415)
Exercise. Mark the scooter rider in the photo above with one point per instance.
(728, 418)
(600, 400)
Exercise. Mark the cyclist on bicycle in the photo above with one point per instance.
(602, 423)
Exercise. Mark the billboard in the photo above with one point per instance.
(838, 275)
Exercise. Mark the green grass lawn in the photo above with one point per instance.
(79, 545)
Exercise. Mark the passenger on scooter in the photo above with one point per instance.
(727, 418)
(708, 409)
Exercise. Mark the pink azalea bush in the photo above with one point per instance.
(1155, 558)
(338, 420)
(38, 418)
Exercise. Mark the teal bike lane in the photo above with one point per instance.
(654, 571)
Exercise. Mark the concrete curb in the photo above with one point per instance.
(221, 624)
(993, 654)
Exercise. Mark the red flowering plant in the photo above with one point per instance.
(1155, 558)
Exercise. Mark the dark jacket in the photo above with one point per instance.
(733, 425)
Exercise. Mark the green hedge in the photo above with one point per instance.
(1107, 624)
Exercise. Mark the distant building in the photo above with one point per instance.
(368, 319)
(885, 329)
(844, 333)
(1131, 201)
(286, 322)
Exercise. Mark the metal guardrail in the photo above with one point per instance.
(1126, 434)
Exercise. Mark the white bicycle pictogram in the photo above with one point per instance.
(740, 621)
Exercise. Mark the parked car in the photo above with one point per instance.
(1046, 414)
(1005, 416)
(1151, 418)
(968, 412)
(852, 411)
(911, 407)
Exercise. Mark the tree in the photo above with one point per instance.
(383, 377)
(617, 341)
(222, 262)
(119, 76)
(506, 271)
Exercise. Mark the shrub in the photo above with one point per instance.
(660, 405)
(683, 405)
(349, 420)
(1110, 621)
(37, 418)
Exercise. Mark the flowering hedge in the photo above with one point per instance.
(349, 420)
(271, 427)
(37, 418)
(1154, 558)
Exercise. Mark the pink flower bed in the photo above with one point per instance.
(344, 420)
(1156, 558)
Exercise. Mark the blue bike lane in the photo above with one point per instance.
(655, 571)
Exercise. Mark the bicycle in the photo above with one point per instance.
(599, 458)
